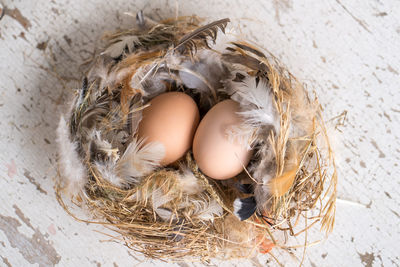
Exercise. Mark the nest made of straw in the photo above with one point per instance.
(176, 212)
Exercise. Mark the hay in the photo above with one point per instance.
(155, 214)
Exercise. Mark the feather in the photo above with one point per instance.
(151, 82)
(165, 214)
(73, 174)
(201, 35)
(159, 199)
(245, 60)
(140, 19)
(103, 71)
(188, 182)
(108, 173)
(249, 48)
(263, 171)
(281, 185)
(120, 44)
(204, 75)
(89, 113)
(82, 92)
(137, 79)
(100, 149)
(139, 159)
(224, 40)
(256, 100)
(245, 188)
(241, 134)
(205, 209)
(244, 208)
(135, 117)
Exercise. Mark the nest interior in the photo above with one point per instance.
(176, 212)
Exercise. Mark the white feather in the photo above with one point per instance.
(104, 146)
(224, 40)
(108, 173)
(165, 214)
(206, 209)
(73, 173)
(140, 159)
(256, 101)
(188, 182)
(136, 116)
(240, 134)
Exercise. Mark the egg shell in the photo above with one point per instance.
(216, 155)
(171, 119)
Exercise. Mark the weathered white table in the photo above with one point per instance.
(347, 50)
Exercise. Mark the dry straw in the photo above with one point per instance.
(302, 188)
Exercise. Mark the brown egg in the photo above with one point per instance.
(171, 119)
(216, 155)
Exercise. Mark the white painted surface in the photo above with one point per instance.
(347, 50)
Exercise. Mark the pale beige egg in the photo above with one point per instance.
(217, 155)
(171, 119)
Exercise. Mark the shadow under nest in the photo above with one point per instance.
(175, 212)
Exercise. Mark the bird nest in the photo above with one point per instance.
(176, 212)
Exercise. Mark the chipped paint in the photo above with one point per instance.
(16, 14)
(381, 154)
(22, 217)
(11, 169)
(52, 229)
(395, 213)
(5, 261)
(367, 259)
(42, 45)
(392, 70)
(280, 5)
(363, 24)
(33, 181)
(35, 249)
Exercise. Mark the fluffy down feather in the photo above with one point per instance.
(102, 70)
(140, 76)
(139, 160)
(100, 146)
(241, 134)
(205, 209)
(224, 40)
(263, 172)
(151, 82)
(107, 172)
(204, 75)
(158, 199)
(136, 117)
(188, 182)
(73, 173)
(256, 100)
(120, 44)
